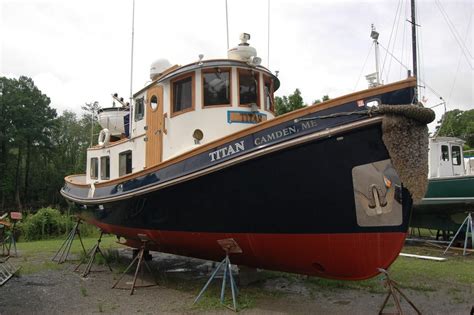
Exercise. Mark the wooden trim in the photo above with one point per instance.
(204, 65)
(322, 134)
(213, 70)
(353, 97)
(256, 73)
(111, 144)
(193, 94)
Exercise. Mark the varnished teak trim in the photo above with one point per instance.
(280, 146)
(410, 82)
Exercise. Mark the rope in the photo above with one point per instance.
(418, 113)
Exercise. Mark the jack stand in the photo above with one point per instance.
(392, 291)
(230, 246)
(92, 253)
(63, 251)
(469, 225)
(141, 260)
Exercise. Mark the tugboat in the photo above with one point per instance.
(450, 193)
(315, 191)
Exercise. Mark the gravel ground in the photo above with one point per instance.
(63, 291)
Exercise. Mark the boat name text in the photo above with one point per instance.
(275, 135)
(227, 151)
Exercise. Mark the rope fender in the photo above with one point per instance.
(405, 135)
(417, 112)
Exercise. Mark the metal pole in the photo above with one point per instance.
(227, 23)
(131, 61)
(268, 37)
(413, 44)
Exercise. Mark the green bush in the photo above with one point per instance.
(45, 223)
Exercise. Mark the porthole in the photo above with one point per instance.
(154, 102)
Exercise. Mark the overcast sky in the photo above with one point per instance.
(79, 51)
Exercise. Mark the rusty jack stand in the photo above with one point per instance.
(392, 291)
(230, 246)
(140, 258)
(63, 251)
(92, 253)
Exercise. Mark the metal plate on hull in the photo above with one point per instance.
(377, 194)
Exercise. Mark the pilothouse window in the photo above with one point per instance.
(105, 167)
(268, 95)
(139, 109)
(248, 87)
(445, 153)
(182, 94)
(94, 170)
(456, 155)
(125, 163)
(216, 87)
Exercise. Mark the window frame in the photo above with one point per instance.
(458, 158)
(268, 79)
(174, 113)
(442, 153)
(255, 73)
(213, 70)
(131, 162)
(107, 169)
(94, 161)
(136, 116)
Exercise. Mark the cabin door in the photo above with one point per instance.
(154, 122)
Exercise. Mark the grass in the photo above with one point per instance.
(453, 277)
(36, 256)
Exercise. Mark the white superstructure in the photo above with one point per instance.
(185, 107)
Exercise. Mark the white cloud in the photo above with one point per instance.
(79, 52)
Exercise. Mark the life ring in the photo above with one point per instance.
(104, 137)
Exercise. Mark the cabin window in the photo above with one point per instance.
(456, 155)
(268, 95)
(94, 171)
(105, 167)
(216, 87)
(125, 163)
(248, 87)
(182, 95)
(444, 153)
(139, 109)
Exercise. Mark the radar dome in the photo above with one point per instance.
(243, 51)
(158, 67)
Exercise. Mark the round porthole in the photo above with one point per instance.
(154, 102)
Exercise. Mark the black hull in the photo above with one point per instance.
(303, 189)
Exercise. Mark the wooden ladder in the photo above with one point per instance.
(7, 270)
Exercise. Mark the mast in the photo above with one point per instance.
(375, 36)
(413, 45)
(131, 59)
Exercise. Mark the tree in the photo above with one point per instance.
(324, 99)
(458, 123)
(288, 104)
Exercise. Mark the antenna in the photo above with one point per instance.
(268, 37)
(226, 23)
(131, 59)
(413, 43)
(375, 36)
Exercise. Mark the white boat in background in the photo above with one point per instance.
(115, 119)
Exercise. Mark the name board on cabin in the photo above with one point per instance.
(245, 117)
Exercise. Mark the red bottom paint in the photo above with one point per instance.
(351, 256)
